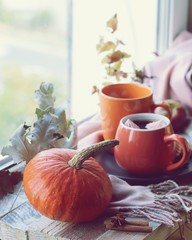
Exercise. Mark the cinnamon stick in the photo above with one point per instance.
(119, 223)
(138, 223)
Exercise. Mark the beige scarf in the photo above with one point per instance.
(164, 202)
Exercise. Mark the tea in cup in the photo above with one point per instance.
(119, 100)
(148, 146)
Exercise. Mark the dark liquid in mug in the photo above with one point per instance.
(142, 123)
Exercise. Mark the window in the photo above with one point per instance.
(171, 21)
(145, 26)
(55, 41)
(137, 28)
(33, 49)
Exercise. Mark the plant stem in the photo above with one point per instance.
(84, 154)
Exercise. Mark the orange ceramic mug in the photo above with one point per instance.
(119, 100)
(149, 151)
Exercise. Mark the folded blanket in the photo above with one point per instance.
(172, 72)
(161, 202)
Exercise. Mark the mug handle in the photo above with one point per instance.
(165, 106)
(185, 147)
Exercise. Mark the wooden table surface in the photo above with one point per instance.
(20, 221)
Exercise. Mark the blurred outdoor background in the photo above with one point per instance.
(33, 49)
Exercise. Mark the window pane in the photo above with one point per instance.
(33, 49)
(137, 29)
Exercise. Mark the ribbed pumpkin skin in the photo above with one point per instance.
(63, 193)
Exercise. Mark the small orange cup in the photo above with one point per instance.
(119, 100)
(145, 152)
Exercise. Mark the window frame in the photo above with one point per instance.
(171, 21)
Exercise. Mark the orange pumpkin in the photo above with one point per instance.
(67, 185)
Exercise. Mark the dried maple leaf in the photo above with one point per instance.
(8, 181)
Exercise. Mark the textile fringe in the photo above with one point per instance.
(154, 213)
(170, 186)
(170, 202)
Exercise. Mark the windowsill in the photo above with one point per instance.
(6, 162)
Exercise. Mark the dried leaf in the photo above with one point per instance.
(110, 71)
(112, 23)
(122, 74)
(115, 57)
(94, 90)
(116, 72)
(106, 46)
(117, 65)
(140, 74)
(8, 181)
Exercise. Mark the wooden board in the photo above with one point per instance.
(19, 220)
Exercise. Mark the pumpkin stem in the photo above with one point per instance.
(84, 154)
